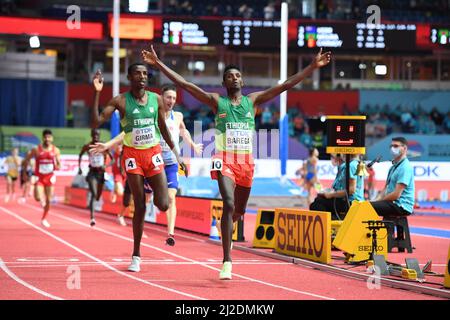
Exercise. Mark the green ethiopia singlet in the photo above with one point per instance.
(141, 122)
(235, 126)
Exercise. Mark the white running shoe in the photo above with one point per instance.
(225, 273)
(135, 265)
(6, 199)
(92, 222)
(121, 220)
(45, 223)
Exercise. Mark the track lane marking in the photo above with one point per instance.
(13, 276)
(95, 258)
(181, 257)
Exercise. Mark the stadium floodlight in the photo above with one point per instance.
(34, 42)
(140, 6)
(380, 70)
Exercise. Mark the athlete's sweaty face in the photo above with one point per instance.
(169, 99)
(14, 152)
(233, 79)
(47, 139)
(138, 77)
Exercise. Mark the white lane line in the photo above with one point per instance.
(46, 260)
(26, 284)
(182, 257)
(110, 217)
(89, 264)
(106, 265)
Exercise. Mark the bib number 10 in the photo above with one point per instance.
(216, 165)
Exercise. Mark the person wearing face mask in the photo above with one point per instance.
(397, 197)
(337, 200)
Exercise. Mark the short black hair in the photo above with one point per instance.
(402, 140)
(311, 151)
(168, 87)
(134, 65)
(46, 132)
(94, 131)
(228, 68)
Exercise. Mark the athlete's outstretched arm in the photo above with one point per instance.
(208, 98)
(100, 147)
(96, 119)
(166, 134)
(321, 60)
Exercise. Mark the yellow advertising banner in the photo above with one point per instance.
(216, 212)
(346, 150)
(304, 234)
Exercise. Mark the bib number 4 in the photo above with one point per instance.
(130, 164)
(157, 160)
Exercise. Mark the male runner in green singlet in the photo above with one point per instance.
(232, 165)
(143, 119)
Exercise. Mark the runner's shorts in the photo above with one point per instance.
(46, 180)
(144, 162)
(98, 175)
(172, 175)
(238, 167)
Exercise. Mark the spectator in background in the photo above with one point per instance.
(346, 110)
(306, 138)
(436, 116)
(412, 126)
(69, 117)
(427, 125)
(228, 10)
(269, 11)
(318, 139)
(299, 126)
(266, 119)
(171, 8)
(186, 8)
(215, 11)
(446, 123)
(245, 11)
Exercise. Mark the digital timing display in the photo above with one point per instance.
(213, 32)
(346, 134)
(324, 35)
(190, 32)
(386, 36)
(354, 36)
(302, 34)
(254, 33)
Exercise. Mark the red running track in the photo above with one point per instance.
(39, 263)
